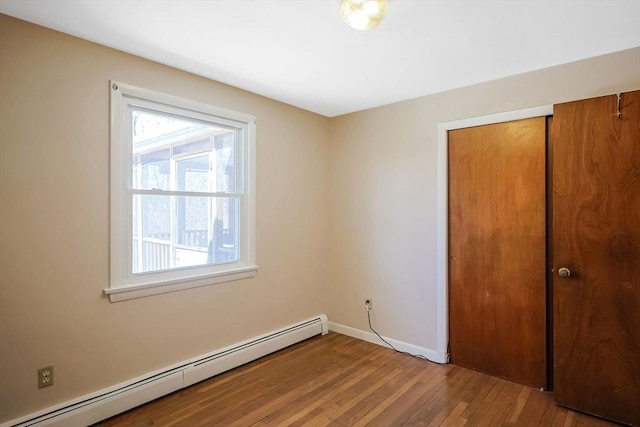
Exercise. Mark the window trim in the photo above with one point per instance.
(123, 283)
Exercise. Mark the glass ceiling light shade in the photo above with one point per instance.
(363, 14)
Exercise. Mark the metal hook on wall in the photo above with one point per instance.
(619, 96)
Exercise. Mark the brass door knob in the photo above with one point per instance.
(564, 272)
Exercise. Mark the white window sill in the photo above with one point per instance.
(122, 293)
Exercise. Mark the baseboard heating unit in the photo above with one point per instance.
(124, 396)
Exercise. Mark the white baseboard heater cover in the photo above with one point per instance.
(122, 397)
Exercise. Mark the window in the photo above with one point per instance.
(182, 194)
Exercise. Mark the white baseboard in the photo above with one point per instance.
(119, 398)
(433, 355)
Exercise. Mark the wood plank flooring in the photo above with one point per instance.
(341, 381)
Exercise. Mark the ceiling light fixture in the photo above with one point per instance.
(363, 14)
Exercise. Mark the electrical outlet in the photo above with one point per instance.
(368, 304)
(45, 376)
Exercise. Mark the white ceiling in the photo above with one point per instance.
(301, 53)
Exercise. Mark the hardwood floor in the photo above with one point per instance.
(341, 381)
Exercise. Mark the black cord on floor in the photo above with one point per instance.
(417, 356)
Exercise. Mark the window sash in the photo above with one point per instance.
(152, 107)
(157, 250)
(158, 192)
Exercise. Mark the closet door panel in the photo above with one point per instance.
(497, 247)
(596, 241)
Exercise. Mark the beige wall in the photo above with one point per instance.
(54, 136)
(384, 189)
(346, 210)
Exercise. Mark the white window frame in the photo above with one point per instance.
(124, 284)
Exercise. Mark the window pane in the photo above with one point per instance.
(192, 221)
(152, 170)
(152, 233)
(172, 153)
(183, 231)
(224, 167)
(193, 174)
(223, 247)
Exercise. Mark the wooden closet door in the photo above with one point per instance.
(596, 236)
(497, 249)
